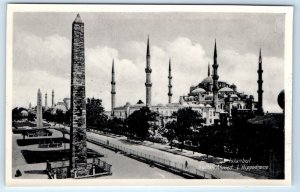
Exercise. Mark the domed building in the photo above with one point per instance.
(24, 113)
(59, 106)
(212, 98)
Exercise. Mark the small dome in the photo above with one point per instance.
(234, 96)
(60, 107)
(198, 90)
(233, 86)
(24, 113)
(201, 105)
(207, 105)
(207, 80)
(225, 89)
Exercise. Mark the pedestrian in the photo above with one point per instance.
(186, 164)
(18, 173)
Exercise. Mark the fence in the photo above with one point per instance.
(61, 169)
(182, 168)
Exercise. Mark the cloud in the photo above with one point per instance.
(51, 54)
(26, 85)
(241, 69)
(46, 63)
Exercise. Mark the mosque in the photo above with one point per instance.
(212, 98)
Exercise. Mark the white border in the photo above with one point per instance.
(288, 10)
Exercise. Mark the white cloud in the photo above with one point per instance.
(46, 63)
(26, 85)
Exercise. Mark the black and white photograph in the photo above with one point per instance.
(170, 94)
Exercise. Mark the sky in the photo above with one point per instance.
(42, 54)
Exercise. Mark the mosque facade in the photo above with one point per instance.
(212, 98)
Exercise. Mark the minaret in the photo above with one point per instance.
(113, 89)
(52, 104)
(208, 70)
(215, 78)
(29, 105)
(39, 112)
(148, 71)
(78, 149)
(170, 83)
(46, 105)
(260, 91)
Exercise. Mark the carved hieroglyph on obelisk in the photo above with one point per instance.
(39, 110)
(78, 150)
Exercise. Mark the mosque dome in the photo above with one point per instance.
(207, 80)
(234, 96)
(225, 89)
(24, 113)
(60, 106)
(233, 86)
(198, 90)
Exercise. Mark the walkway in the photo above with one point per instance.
(215, 170)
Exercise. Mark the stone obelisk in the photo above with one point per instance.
(78, 149)
(39, 110)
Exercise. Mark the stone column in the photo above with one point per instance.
(39, 110)
(78, 149)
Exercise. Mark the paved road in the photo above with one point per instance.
(211, 168)
(201, 165)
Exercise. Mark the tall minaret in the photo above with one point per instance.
(46, 104)
(260, 91)
(113, 89)
(52, 104)
(39, 112)
(148, 71)
(170, 83)
(78, 148)
(208, 70)
(215, 78)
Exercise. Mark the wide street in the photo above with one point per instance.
(211, 168)
(201, 165)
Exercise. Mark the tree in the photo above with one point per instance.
(48, 115)
(31, 116)
(16, 113)
(67, 117)
(187, 121)
(95, 113)
(140, 121)
(59, 116)
(116, 125)
(170, 133)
